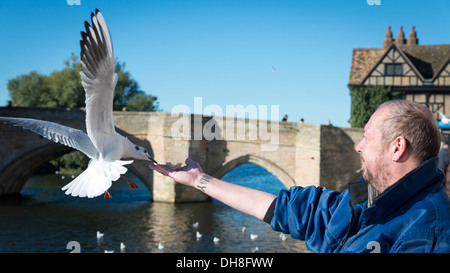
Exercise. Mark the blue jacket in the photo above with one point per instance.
(413, 215)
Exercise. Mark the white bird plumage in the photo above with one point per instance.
(102, 144)
(100, 236)
(444, 119)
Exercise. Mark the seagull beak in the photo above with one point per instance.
(151, 159)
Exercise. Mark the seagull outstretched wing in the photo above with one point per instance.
(99, 80)
(71, 137)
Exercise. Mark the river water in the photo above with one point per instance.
(43, 219)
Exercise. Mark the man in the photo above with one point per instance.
(400, 206)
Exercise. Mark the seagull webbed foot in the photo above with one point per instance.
(107, 195)
(131, 184)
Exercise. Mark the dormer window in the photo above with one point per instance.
(393, 69)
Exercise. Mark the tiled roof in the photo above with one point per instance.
(428, 60)
(364, 59)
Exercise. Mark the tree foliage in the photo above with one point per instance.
(72, 163)
(63, 88)
(366, 100)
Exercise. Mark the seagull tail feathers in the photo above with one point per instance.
(96, 179)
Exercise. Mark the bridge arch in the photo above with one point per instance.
(14, 175)
(271, 167)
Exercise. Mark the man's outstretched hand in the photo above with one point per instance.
(247, 200)
(186, 175)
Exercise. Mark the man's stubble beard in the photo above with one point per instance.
(376, 182)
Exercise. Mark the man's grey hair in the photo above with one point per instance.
(416, 124)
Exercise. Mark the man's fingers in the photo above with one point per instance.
(159, 168)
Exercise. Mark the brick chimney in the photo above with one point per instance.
(412, 40)
(400, 40)
(388, 38)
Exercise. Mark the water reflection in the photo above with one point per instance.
(44, 219)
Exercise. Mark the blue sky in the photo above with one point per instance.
(222, 50)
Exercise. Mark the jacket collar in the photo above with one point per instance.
(419, 182)
(358, 192)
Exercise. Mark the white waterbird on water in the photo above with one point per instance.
(100, 237)
(102, 144)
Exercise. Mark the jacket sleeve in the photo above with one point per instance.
(304, 213)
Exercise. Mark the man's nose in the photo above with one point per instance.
(359, 146)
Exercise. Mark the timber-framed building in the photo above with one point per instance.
(422, 72)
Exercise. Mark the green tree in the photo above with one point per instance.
(65, 85)
(63, 88)
(71, 163)
(128, 93)
(23, 89)
(366, 100)
(142, 102)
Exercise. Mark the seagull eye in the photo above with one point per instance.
(145, 151)
(137, 148)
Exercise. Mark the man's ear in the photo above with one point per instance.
(399, 146)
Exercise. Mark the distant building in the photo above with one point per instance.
(421, 71)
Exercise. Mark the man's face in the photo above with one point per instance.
(373, 152)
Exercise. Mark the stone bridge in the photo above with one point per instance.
(297, 154)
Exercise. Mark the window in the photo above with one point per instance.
(393, 69)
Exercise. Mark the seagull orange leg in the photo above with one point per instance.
(107, 195)
(131, 184)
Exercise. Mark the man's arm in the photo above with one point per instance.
(247, 200)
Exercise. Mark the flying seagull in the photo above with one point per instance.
(102, 144)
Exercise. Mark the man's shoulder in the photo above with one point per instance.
(431, 214)
(440, 203)
(429, 230)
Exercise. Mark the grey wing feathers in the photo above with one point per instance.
(71, 137)
(97, 56)
(96, 45)
(98, 79)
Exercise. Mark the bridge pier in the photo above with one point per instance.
(298, 154)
